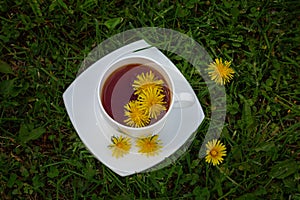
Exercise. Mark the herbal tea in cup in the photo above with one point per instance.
(136, 95)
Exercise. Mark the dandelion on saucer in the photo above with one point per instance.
(120, 146)
(215, 151)
(144, 81)
(136, 116)
(150, 146)
(152, 101)
(220, 72)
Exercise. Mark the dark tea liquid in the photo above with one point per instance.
(117, 91)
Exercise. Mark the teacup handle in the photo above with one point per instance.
(183, 100)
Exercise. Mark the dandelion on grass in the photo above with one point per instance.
(150, 146)
(220, 72)
(215, 151)
(152, 101)
(136, 116)
(120, 146)
(144, 81)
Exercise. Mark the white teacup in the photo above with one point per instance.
(156, 126)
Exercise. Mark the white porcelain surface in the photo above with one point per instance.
(83, 109)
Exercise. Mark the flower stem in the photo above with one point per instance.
(229, 178)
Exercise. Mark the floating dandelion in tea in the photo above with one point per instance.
(152, 101)
(146, 80)
(136, 116)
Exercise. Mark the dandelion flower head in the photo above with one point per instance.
(152, 101)
(149, 145)
(220, 72)
(136, 117)
(120, 146)
(146, 80)
(215, 151)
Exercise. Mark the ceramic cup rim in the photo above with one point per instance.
(105, 75)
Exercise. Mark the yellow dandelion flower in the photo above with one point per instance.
(152, 101)
(220, 72)
(136, 116)
(150, 146)
(144, 81)
(215, 151)
(120, 146)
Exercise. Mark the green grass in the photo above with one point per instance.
(42, 45)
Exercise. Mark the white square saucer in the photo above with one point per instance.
(81, 103)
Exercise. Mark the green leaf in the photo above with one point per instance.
(236, 44)
(53, 5)
(235, 12)
(289, 183)
(247, 196)
(53, 172)
(5, 68)
(37, 182)
(237, 153)
(27, 132)
(89, 172)
(9, 88)
(283, 169)
(227, 4)
(17, 90)
(201, 193)
(35, 6)
(260, 191)
(247, 115)
(182, 12)
(62, 4)
(11, 180)
(234, 108)
(24, 171)
(6, 87)
(112, 23)
(265, 147)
